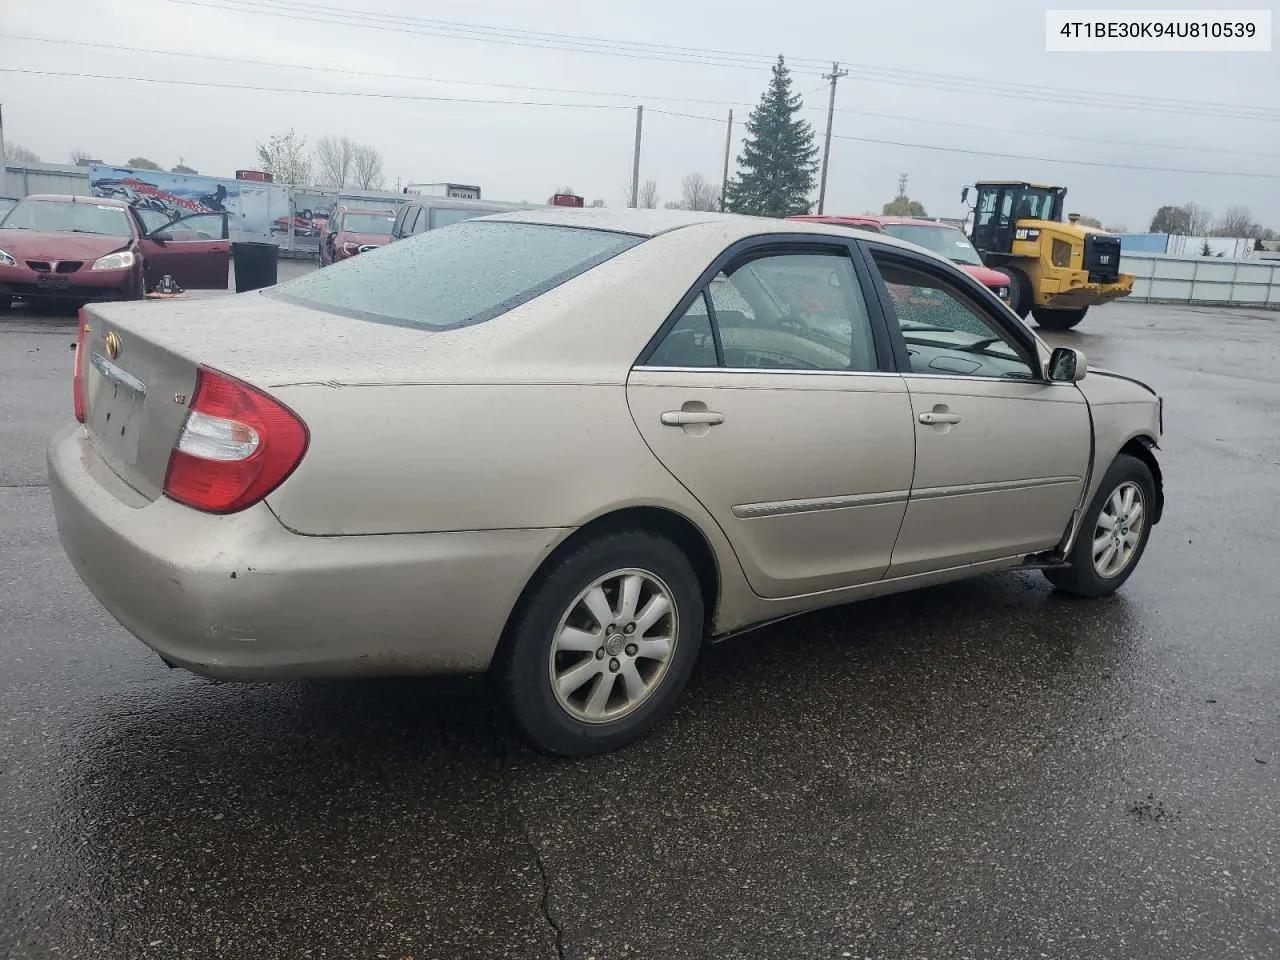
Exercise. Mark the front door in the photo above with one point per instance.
(993, 219)
(767, 401)
(1001, 453)
(193, 250)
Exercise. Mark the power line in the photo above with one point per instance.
(389, 24)
(294, 10)
(257, 88)
(1081, 163)
(635, 97)
(212, 58)
(1007, 156)
(610, 106)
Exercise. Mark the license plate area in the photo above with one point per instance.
(115, 415)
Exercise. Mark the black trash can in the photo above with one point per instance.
(257, 265)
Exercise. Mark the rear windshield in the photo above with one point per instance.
(465, 274)
(379, 223)
(69, 216)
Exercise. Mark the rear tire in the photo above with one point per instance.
(574, 685)
(1108, 548)
(1058, 319)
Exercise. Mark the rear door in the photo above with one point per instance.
(1001, 453)
(767, 395)
(194, 250)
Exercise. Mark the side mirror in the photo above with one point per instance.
(1067, 365)
(964, 195)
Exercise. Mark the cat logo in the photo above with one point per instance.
(1026, 233)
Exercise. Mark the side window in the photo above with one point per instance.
(690, 342)
(946, 331)
(200, 226)
(421, 220)
(793, 311)
(397, 228)
(151, 219)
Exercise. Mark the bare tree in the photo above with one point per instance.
(1198, 219)
(142, 163)
(366, 168)
(17, 153)
(649, 194)
(284, 157)
(1118, 228)
(696, 193)
(333, 160)
(81, 156)
(1236, 222)
(596, 203)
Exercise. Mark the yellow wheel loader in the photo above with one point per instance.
(1056, 270)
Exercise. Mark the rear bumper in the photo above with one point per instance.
(239, 597)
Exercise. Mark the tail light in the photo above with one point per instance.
(77, 377)
(237, 445)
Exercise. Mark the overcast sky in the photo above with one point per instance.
(524, 152)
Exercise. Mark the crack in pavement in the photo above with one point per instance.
(545, 876)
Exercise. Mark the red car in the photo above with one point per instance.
(934, 235)
(76, 250)
(354, 231)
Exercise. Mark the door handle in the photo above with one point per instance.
(684, 418)
(933, 419)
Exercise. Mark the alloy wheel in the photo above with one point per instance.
(1119, 530)
(612, 647)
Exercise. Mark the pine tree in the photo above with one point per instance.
(778, 163)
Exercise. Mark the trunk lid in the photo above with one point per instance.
(138, 387)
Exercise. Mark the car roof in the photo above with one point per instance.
(651, 223)
(876, 218)
(97, 201)
(1017, 183)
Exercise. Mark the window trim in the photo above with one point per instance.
(763, 245)
(980, 297)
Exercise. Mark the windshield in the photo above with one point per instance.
(945, 241)
(1034, 204)
(67, 216)
(379, 223)
(450, 278)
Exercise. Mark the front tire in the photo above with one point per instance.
(1058, 319)
(1113, 534)
(601, 647)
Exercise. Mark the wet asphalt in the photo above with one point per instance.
(978, 770)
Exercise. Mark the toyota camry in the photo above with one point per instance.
(568, 447)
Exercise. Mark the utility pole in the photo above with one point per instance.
(724, 178)
(835, 74)
(635, 163)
